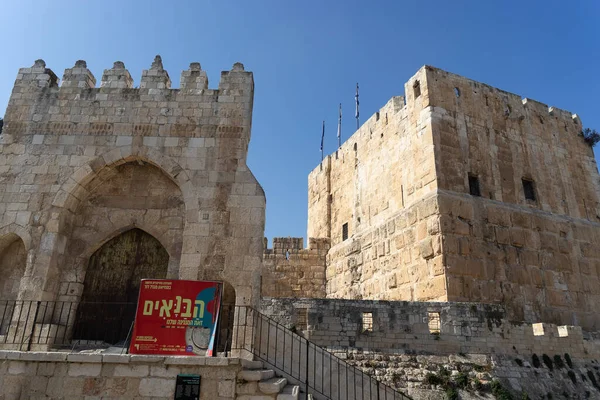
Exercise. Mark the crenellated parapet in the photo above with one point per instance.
(39, 104)
(290, 270)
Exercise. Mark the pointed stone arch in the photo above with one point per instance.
(111, 285)
(73, 190)
(141, 190)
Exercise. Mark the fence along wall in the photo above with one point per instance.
(411, 328)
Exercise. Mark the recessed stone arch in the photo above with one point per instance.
(13, 262)
(126, 195)
(111, 285)
(74, 189)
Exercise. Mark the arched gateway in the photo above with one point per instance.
(112, 284)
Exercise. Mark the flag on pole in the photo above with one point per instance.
(339, 133)
(357, 113)
(322, 140)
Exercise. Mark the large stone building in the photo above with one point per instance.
(104, 186)
(455, 192)
(463, 192)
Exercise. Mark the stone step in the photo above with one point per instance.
(247, 364)
(290, 392)
(272, 386)
(255, 375)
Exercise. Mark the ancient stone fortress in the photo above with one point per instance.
(82, 165)
(456, 192)
(463, 192)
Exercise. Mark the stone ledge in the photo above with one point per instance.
(85, 358)
(115, 358)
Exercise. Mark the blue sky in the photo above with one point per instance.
(308, 55)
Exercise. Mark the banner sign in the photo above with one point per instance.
(176, 317)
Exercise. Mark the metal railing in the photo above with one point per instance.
(47, 325)
(317, 371)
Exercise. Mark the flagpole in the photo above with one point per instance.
(357, 113)
(322, 140)
(339, 133)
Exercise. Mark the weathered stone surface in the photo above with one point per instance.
(82, 164)
(400, 184)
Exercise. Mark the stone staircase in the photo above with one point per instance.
(257, 383)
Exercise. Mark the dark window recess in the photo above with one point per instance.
(474, 186)
(345, 231)
(417, 89)
(529, 189)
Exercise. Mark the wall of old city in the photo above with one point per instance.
(380, 183)
(398, 259)
(393, 327)
(384, 166)
(290, 270)
(535, 256)
(81, 164)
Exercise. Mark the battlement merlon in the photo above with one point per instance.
(294, 245)
(194, 110)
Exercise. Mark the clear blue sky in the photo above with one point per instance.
(308, 55)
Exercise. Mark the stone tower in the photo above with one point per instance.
(81, 166)
(463, 192)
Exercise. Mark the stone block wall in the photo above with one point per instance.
(434, 198)
(542, 266)
(379, 170)
(501, 138)
(81, 164)
(79, 376)
(398, 259)
(290, 270)
(411, 328)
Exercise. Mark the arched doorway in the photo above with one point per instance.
(13, 258)
(112, 283)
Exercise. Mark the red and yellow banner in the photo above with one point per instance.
(176, 317)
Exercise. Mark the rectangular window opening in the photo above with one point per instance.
(529, 189)
(302, 319)
(367, 322)
(417, 89)
(474, 188)
(433, 322)
(345, 231)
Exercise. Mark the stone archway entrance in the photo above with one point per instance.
(112, 284)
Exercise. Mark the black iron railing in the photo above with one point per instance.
(43, 325)
(315, 369)
(47, 325)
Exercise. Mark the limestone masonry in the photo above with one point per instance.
(81, 165)
(463, 192)
(457, 228)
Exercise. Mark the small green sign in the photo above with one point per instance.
(187, 387)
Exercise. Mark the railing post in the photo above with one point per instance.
(37, 310)
(307, 346)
